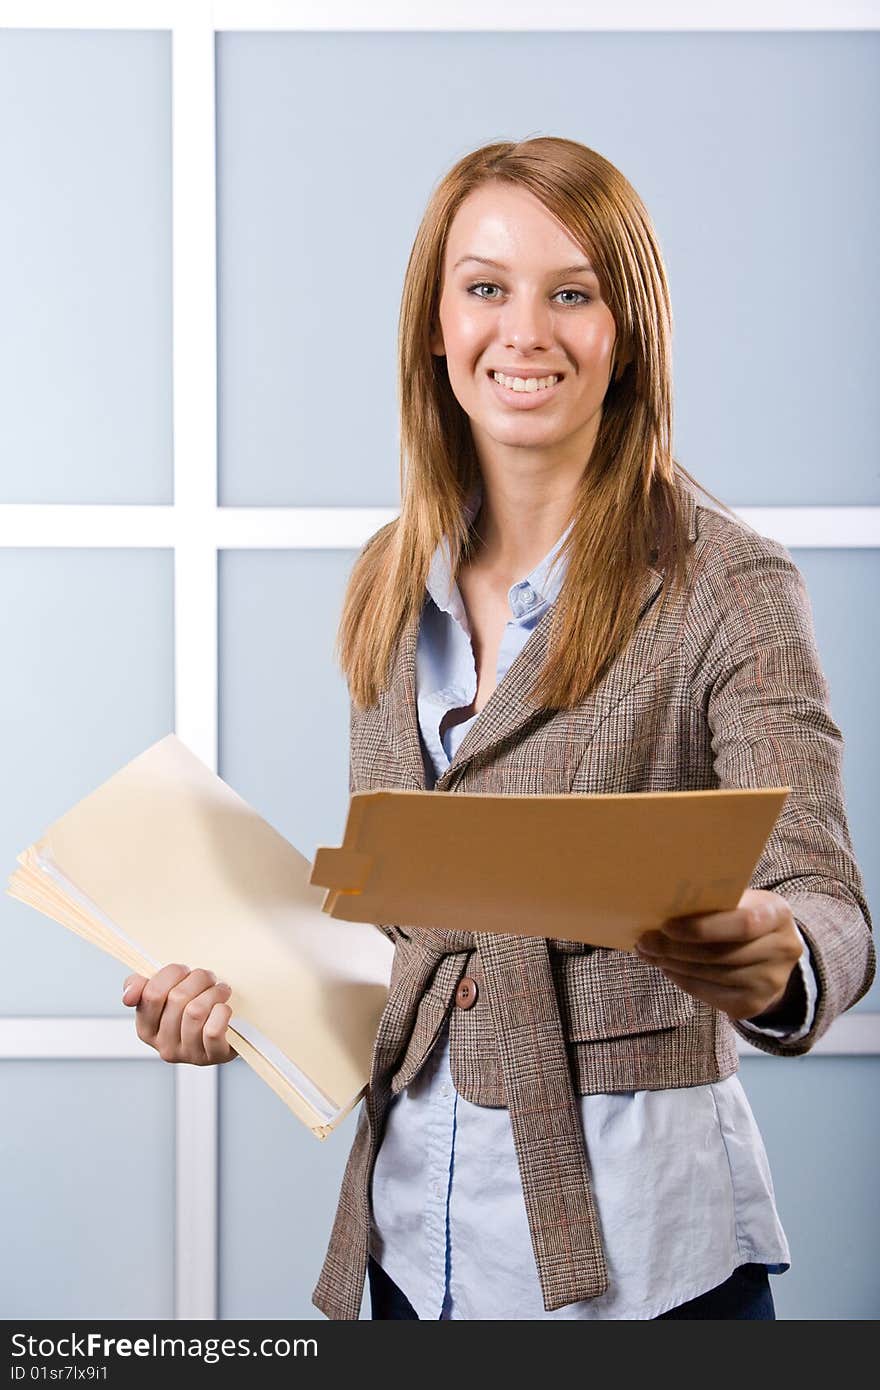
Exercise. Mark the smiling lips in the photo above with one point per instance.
(524, 393)
(525, 383)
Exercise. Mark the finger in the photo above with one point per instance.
(737, 1001)
(662, 950)
(168, 1036)
(132, 988)
(732, 976)
(719, 995)
(742, 924)
(195, 1016)
(152, 1000)
(217, 1049)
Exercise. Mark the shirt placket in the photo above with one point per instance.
(440, 1129)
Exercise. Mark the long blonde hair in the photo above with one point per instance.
(627, 515)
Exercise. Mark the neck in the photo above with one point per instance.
(528, 498)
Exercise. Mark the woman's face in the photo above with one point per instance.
(536, 313)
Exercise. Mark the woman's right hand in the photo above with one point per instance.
(182, 1013)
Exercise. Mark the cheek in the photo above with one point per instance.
(464, 351)
(463, 333)
(597, 343)
(463, 325)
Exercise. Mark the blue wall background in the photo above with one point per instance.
(756, 155)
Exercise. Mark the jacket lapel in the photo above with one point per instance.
(509, 707)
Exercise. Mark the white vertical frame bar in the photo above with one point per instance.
(194, 347)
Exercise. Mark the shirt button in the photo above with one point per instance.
(466, 994)
(444, 1091)
(438, 1189)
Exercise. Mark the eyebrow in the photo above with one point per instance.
(583, 269)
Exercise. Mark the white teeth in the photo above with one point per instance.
(521, 383)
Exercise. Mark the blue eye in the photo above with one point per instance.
(585, 297)
(488, 285)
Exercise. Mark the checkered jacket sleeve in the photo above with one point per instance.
(759, 680)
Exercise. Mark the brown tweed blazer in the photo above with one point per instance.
(722, 688)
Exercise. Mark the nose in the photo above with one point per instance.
(525, 325)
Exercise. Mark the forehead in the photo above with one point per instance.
(500, 221)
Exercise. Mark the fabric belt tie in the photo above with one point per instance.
(544, 1115)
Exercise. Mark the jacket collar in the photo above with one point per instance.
(509, 707)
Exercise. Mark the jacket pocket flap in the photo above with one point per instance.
(614, 994)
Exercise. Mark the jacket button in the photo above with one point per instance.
(466, 994)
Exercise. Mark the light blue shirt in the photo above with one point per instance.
(680, 1177)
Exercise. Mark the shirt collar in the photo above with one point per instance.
(539, 588)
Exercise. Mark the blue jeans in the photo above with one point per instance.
(746, 1294)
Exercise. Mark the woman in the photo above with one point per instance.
(553, 1130)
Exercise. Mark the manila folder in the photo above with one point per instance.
(164, 863)
(594, 868)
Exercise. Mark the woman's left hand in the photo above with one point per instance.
(743, 962)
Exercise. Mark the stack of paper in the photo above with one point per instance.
(165, 862)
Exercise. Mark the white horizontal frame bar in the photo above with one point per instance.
(850, 1035)
(90, 14)
(298, 528)
(554, 14)
(226, 528)
(342, 528)
(820, 527)
(853, 1034)
(112, 1039)
(73, 524)
(464, 15)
